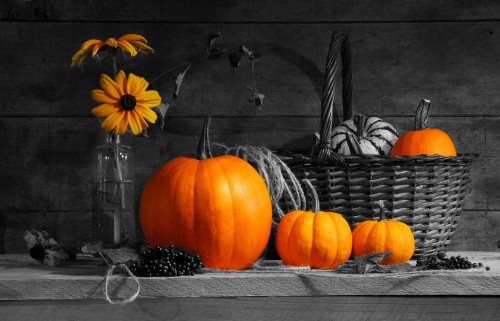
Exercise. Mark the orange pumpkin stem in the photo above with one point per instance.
(311, 191)
(382, 211)
(204, 151)
(422, 114)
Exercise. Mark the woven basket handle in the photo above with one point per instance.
(339, 45)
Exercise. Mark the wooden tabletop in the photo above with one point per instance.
(22, 278)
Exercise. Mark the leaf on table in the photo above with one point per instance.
(92, 247)
(363, 264)
(178, 81)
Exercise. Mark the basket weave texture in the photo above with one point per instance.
(425, 192)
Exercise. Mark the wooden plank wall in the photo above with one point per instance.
(446, 51)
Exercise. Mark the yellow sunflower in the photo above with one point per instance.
(131, 43)
(125, 102)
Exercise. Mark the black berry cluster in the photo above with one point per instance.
(440, 261)
(167, 261)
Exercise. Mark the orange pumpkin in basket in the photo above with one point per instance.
(423, 140)
(320, 240)
(384, 236)
(218, 207)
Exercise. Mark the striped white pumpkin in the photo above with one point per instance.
(364, 135)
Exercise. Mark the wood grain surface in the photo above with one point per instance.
(254, 11)
(373, 308)
(446, 51)
(22, 278)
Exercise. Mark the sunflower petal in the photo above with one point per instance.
(135, 126)
(110, 87)
(126, 46)
(132, 84)
(146, 113)
(121, 80)
(78, 57)
(89, 43)
(139, 119)
(111, 121)
(133, 37)
(142, 47)
(96, 48)
(104, 110)
(112, 42)
(149, 99)
(101, 96)
(121, 126)
(141, 85)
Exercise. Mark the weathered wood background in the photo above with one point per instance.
(446, 51)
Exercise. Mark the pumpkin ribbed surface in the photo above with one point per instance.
(427, 141)
(384, 236)
(218, 208)
(321, 241)
(366, 135)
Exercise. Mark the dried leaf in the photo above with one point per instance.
(255, 97)
(178, 81)
(161, 111)
(212, 39)
(144, 133)
(363, 264)
(258, 100)
(246, 51)
(235, 58)
(92, 247)
(373, 258)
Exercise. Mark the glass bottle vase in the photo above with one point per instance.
(113, 213)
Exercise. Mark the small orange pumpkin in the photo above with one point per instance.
(320, 240)
(218, 207)
(423, 140)
(384, 236)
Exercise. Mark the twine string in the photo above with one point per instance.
(279, 178)
(107, 277)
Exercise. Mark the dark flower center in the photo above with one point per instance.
(128, 102)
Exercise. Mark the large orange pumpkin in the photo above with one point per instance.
(218, 207)
(423, 140)
(384, 236)
(320, 240)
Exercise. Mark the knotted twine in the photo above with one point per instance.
(107, 277)
(279, 178)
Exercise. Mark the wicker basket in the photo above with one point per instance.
(425, 192)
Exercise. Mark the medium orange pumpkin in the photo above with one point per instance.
(320, 240)
(423, 140)
(384, 236)
(218, 207)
